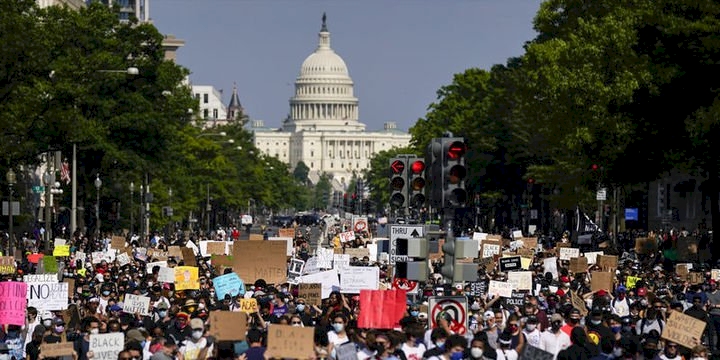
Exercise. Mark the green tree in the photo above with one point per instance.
(301, 172)
(377, 176)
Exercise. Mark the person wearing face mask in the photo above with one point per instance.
(596, 328)
(505, 351)
(178, 329)
(649, 323)
(338, 334)
(573, 320)
(531, 331)
(57, 333)
(90, 326)
(491, 330)
(32, 321)
(413, 346)
(620, 305)
(46, 320)
(438, 336)
(382, 348)
(454, 349)
(553, 340)
(196, 346)
(478, 346)
(518, 338)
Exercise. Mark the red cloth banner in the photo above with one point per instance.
(382, 309)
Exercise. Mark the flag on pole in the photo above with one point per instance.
(65, 172)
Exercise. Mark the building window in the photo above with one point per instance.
(215, 113)
(332, 165)
(356, 154)
(348, 154)
(205, 114)
(197, 96)
(312, 165)
(205, 98)
(330, 153)
(312, 154)
(342, 166)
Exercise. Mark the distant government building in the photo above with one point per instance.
(322, 129)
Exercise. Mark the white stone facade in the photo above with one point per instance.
(323, 128)
(212, 108)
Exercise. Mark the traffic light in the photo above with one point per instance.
(398, 174)
(416, 179)
(454, 172)
(433, 173)
(345, 201)
(416, 252)
(353, 202)
(458, 255)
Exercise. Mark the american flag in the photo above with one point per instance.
(65, 172)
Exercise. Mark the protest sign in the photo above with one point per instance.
(534, 353)
(48, 295)
(578, 265)
(106, 346)
(516, 299)
(12, 303)
(256, 237)
(630, 281)
(347, 236)
(490, 248)
(228, 325)
(7, 265)
(50, 264)
(550, 266)
(478, 288)
(325, 258)
(601, 281)
(328, 279)
(357, 252)
(149, 266)
(578, 303)
(356, 278)
(683, 329)
(567, 253)
(592, 256)
(607, 262)
(512, 263)
(228, 284)
(166, 275)
(175, 251)
(215, 248)
(521, 280)
(341, 261)
(221, 261)
(284, 341)
(136, 304)
(117, 242)
(288, 232)
(249, 306)
(188, 256)
(381, 309)
(501, 288)
(186, 277)
(61, 250)
(312, 293)
(260, 260)
(57, 349)
(123, 259)
(295, 271)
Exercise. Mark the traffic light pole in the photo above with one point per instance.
(449, 221)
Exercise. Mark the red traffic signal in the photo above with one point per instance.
(417, 167)
(595, 167)
(531, 181)
(456, 150)
(397, 167)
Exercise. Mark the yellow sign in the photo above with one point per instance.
(61, 250)
(630, 282)
(248, 306)
(186, 277)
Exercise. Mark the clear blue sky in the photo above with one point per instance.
(399, 53)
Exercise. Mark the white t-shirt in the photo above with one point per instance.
(621, 307)
(509, 354)
(191, 350)
(554, 343)
(533, 337)
(413, 353)
(335, 339)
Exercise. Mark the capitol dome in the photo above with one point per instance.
(324, 98)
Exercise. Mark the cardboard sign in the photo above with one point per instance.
(683, 329)
(249, 306)
(215, 248)
(682, 270)
(578, 303)
(107, 346)
(12, 303)
(534, 353)
(188, 257)
(175, 251)
(261, 260)
(186, 277)
(228, 325)
(284, 341)
(7, 265)
(601, 281)
(357, 252)
(290, 232)
(578, 265)
(607, 262)
(491, 248)
(645, 246)
(58, 349)
(695, 278)
(381, 309)
(117, 242)
(530, 243)
(71, 286)
(136, 304)
(510, 264)
(256, 237)
(312, 293)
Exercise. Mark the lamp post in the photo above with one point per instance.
(49, 181)
(142, 214)
(11, 180)
(132, 208)
(98, 184)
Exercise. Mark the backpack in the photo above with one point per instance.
(642, 325)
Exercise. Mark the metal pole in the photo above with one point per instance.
(146, 219)
(73, 205)
(10, 222)
(207, 209)
(97, 211)
(132, 208)
(616, 210)
(141, 217)
(48, 201)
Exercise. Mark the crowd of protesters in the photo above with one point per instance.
(621, 322)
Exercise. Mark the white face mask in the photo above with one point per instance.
(476, 352)
(94, 331)
(197, 334)
(201, 306)
(530, 327)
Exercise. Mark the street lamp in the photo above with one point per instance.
(98, 184)
(11, 180)
(130, 71)
(132, 208)
(222, 133)
(49, 181)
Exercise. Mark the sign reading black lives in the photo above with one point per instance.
(478, 288)
(510, 264)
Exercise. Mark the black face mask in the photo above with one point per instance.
(573, 321)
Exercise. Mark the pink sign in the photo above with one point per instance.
(13, 303)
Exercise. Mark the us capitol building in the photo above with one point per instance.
(322, 129)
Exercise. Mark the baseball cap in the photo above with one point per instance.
(134, 334)
(642, 291)
(556, 317)
(488, 314)
(196, 324)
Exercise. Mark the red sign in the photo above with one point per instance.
(405, 284)
(381, 309)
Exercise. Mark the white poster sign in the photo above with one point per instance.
(107, 346)
(490, 250)
(567, 253)
(50, 296)
(149, 266)
(123, 259)
(311, 266)
(550, 266)
(99, 256)
(347, 236)
(166, 275)
(592, 256)
(136, 304)
(356, 278)
(504, 289)
(328, 279)
(290, 250)
(521, 280)
(325, 258)
(341, 261)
